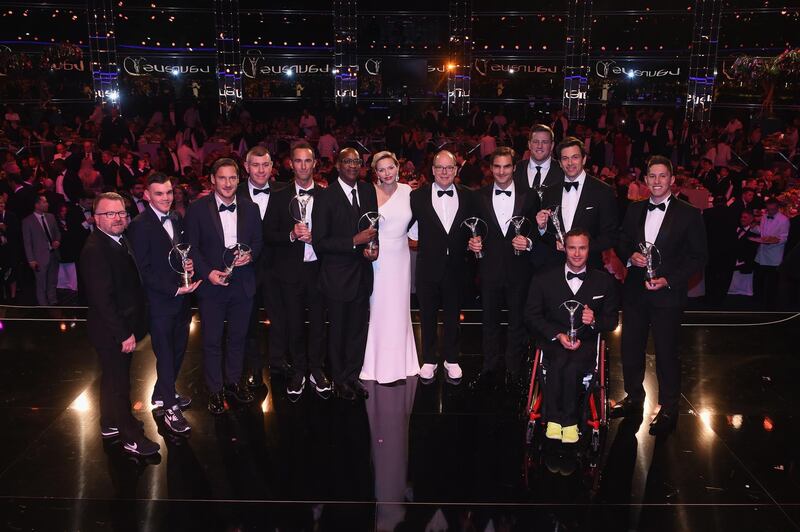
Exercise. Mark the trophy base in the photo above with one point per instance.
(186, 280)
(479, 255)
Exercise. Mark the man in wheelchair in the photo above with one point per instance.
(569, 346)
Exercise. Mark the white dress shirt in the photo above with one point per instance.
(569, 201)
(654, 219)
(167, 225)
(348, 191)
(140, 204)
(772, 254)
(503, 206)
(574, 283)
(544, 166)
(228, 220)
(445, 206)
(262, 200)
(308, 251)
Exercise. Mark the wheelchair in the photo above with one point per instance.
(593, 424)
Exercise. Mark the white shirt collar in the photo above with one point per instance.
(112, 237)
(544, 165)
(159, 214)
(509, 188)
(567, 270)
(347, 188)
(666, 200)
(220, 202)
(252, 187)
(437, 187)
(298, 188)
(580, 179)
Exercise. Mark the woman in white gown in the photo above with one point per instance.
(391, 353)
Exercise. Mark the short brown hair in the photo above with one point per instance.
(111, 196)
(502, 151)
(577, 232)
(568, 142)
(659, 159)
(541, 128)
(302, 145)
(256, 151)
(158, 177)
(224, 161)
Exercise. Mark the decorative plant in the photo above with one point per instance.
(767, 72)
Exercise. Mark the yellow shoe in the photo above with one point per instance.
(570, 434)
(553, 431)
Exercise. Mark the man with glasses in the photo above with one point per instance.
(438, 211)
(584, 202)
(117, 319)
(539, 169)
(214, 224)
(345, 276)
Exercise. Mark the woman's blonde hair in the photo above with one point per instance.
(383, 155)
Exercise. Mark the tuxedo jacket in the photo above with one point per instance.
(278, 223)
(681, 242)
(267, 257)
(152, 246)
(73, 186)
(438, 250)
(343, 269)
(554, 176)
(596, 213)
(546, 317)
(73, 233)
(117, 304)
(500, 266)
(745, 250)
(204, 232)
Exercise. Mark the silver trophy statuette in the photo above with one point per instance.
(557, 223)
(540, 191)
(370, 220)
(178, 256)
(473, 224)
(231, 255)
(298, 208)
(519, 223)
(653, 258)
(572, 308)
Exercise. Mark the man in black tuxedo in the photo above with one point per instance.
(539, 169)
(505, 269)
(153, 235)
(748, 201)
(129, 172)
(720, 221)
(109, 171)
(258, 190)
(136, 203)
(87, 152)
(296, 269)
(117, 319)
(583, 201)
(438, 211)
(568, 362)
(345, 276)
(677, 230)
(214, 225)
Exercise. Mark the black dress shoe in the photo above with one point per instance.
(253, 380)
(627, 407)
(344, 391)
(360, 389)
(241, 393)
(216, 403)
(665, 422)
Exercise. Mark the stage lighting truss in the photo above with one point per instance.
(576, 59)
(703, 60)
(229, 75)
(103, 52)
(459, 61)
(345, 52)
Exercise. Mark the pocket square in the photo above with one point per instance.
(589, 208)
(598, 297)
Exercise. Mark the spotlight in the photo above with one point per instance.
(289, 73)
(451, 66)
(113, 96)
(630, 75)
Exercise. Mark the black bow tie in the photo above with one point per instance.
(305, 192)
(569, 185)
(653, 206)
(581, 276)
(230, 208)
(257, 191)
(165, 218)
(497, 192)
(441, 193)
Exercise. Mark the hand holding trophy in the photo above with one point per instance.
(234, 257)
(181, 264)
(522, 227)
(371, 220)
(572, 307)
(474, 224)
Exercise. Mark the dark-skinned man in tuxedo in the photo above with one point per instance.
(676, 228)
(214, 225)
(117, 319)
(153, 234)
(567, 362)
(345, 276)
(505, 269)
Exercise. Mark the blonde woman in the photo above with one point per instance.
(391, 353)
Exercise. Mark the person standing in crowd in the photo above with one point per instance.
(774, 231)
(438, 211)
(346, 270)
(391, 353)
(677, 230)
(567, 362)
(539, 169)
(296, 272)
(9, 251)
(41, 239)
(258, 189)
(744, 253)
(505, 270)
(214, 225)
(117, 319)
(584, 201)
(153, 235)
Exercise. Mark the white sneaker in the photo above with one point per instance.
(427, 371)
(453, 370)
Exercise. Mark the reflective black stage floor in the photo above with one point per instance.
(413, 457)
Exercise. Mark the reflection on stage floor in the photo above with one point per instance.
(411, 457)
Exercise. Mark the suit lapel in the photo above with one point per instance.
(215, 220)
(241, 222)
(432, 211)
(666, 225)
(642, 222)
(583, 200)
(487, 199)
